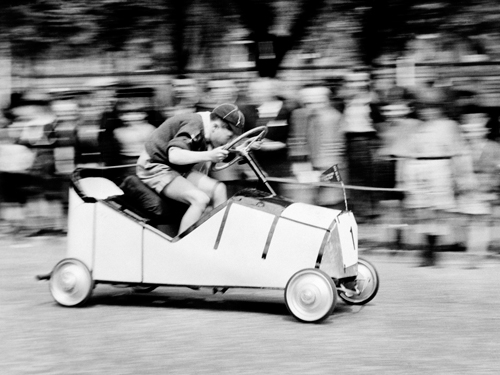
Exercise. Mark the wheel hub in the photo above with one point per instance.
(308, 297)
(68, 281)
(71, 283)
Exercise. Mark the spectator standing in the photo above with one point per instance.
(65, 107)
(434, 170)
(324, 139)
(397, 112)
(274, 111)
(126, 128)
(484, 152)
(31, 178)
(480, 204)
(359, 114)
(99, 97)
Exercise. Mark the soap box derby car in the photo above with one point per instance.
(118, 235)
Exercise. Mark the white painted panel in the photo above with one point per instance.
(313, 215)
(188, 261)
(348, 234)
(294, 247)
(80, 229)
(194, 261)
(118, 248)
(242, 245)
(238, 259)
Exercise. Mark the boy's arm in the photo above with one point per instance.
(180, 156)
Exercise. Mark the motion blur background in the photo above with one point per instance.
(338, 82)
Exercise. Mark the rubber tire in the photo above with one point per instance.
(71, 283)
(298, 307)
(356, 300)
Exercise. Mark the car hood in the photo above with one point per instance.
(316, 216)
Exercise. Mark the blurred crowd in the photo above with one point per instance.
(432, 149)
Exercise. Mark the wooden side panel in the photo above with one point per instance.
(80, 230)
(118, 249)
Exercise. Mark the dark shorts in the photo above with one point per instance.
(155, 175)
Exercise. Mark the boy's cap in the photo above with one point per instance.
(232, 115)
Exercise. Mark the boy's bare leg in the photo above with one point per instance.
(216, 190)
(220, 194)
(185, 191)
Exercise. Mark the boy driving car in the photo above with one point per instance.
(178, 153)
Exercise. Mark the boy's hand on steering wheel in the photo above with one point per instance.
(244, 145)
(218, 154)
(254, 145)
(257, 145)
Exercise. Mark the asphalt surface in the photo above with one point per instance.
(431, 320)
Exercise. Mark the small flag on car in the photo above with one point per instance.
(331, 174)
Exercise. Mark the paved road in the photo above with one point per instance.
(440, 320)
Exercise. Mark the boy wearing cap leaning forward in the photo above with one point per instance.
(179, 149)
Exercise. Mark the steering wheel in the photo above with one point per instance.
(243, 149)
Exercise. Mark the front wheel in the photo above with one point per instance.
(310, 295)
(366, 285)
(71, 283)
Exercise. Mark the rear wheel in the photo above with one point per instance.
(366, 285)
(310, 295)
(71, 283)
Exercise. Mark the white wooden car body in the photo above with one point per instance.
(247, 242)
(254, 240)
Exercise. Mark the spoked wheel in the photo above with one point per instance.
(71, 283)
(367, 283)
(310, 295)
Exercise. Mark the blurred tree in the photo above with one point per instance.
(35, 26)
(387, 25)
(269, 49)
(384, 28)
(178, 18)
(195, 30)
(117, 22)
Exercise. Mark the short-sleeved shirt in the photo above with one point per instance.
(185, 131)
